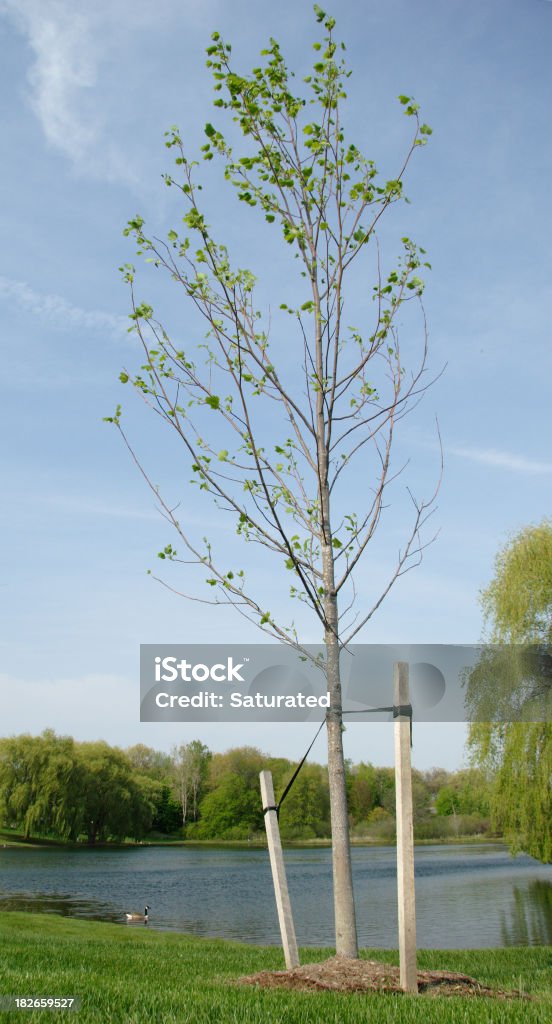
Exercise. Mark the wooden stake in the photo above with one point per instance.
(405, 834)
(283, 905)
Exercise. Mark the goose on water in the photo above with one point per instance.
(139, 917)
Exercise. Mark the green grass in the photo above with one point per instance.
(137, 976)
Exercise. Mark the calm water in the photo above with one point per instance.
(467, 896)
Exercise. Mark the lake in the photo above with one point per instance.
(467, 896)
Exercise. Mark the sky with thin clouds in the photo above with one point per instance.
(86, 94)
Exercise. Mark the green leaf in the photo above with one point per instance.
(114, 419)
(213, 401)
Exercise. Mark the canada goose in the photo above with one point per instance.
(139, 917)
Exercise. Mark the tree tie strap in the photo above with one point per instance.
(397, 709)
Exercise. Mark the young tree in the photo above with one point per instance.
(270, 429)
(518, 755)
(190, 762)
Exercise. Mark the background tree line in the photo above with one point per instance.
(53, 786)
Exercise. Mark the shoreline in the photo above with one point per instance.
(18, 843)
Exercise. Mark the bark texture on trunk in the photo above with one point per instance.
(346, 943)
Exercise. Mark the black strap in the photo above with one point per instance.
(397, 709)
(406, 710)
(402, 709)
(298, 769)
(367, 711)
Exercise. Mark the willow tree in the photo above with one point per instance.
(518, 755)
(273, 410)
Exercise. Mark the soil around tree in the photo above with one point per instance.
(340, 974)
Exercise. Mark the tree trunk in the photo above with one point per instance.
(184, 799)
(344, 906)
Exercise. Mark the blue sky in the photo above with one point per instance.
(86, 93)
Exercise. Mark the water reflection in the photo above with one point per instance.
(66, 906)
(529, 921)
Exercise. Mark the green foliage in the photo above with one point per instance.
(518, 601)
(336, 392)
(147, 761)
(361, 790)
(381, 825)
(231, 807)
(517, 756)
(168, 813)
(385, 789)
(290, 163)
(466, 792)
(41, 782)
(231, 811)
(115, 803)
(52, 786)
(305, 813)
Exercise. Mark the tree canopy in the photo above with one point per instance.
(518, 755)
(281, 398)
(54, 787)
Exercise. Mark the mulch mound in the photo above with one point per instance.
(339, 974)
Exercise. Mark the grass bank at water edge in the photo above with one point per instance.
(134, 975)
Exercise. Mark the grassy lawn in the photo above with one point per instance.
(136, 975)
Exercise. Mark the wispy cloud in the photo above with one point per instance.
(501, 460)
(57, 310)
(69, 41)
(65, 67)
(75, 47)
